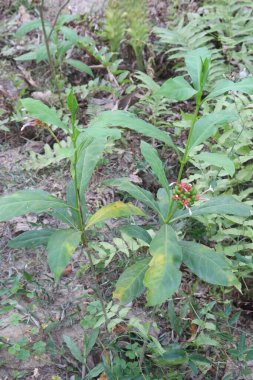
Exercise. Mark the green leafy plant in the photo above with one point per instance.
(86, 152)
(59, 39)
(129, 20)
(152, 106)
(225, 27)
(162, 276)
(158, 274)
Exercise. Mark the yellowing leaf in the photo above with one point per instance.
(61, 247)
(114, 210)
(130, 284)
(163, 277)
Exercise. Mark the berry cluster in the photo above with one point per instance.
(185, 195)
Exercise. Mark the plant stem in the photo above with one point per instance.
(54, 136)
(98, 290)
(78, 203)
(46, 40)
(145, 344)
(184, 160)
(82, 228)
(56, 18)
(49, 56)
(187, 147)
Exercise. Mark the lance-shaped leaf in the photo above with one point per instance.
(127, 120)
(208, 265)
(114, 210)
(73, 348)
(152, 158)
(130, 284)
(72, 201)
(61, 247)
(163, 277)
(136, 192)
(224, 85)
(207, 126)
(28, 27)
(136, 232)
(80, 66)
(172, 356)
(26, 201)
(217, 159)
(222, 205)
(163, 202)
(89, 156)
(40, 111)
(176, 89)
(197, 63)
(31, 239)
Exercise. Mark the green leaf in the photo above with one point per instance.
(95, 372)
(73, 348)
(70, 35)
(62, 49)
(61, 247)
(64, 215)
(88, 159)
(28, 27)
(41, 52)
(206, 340)
(217, 159)
(80, 66)
(23, 354)
(207, 125)
(65, 18)
(72, 103)
(175, 321)
(222, 205)
(126, 119)
(27, 56)
(136, 192)
(152, 158)
(40, 111)
(31, 239)
(26, 201)
(147, 81)
(114, 210)
(172, 356)
(136, 232)
(90, 341)
(130, 284)
(72, 201)
(176, 89)
(208, 265)
(224, 85)
(163, 277)
(163, 202)
(197, 63)
(200, 360)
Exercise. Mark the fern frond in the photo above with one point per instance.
(185, 37)
(127, 20)
(114, 25)
(51, 156)
(224, 23)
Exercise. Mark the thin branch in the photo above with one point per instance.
(56, 18)
(46, 38)
(98, 290)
